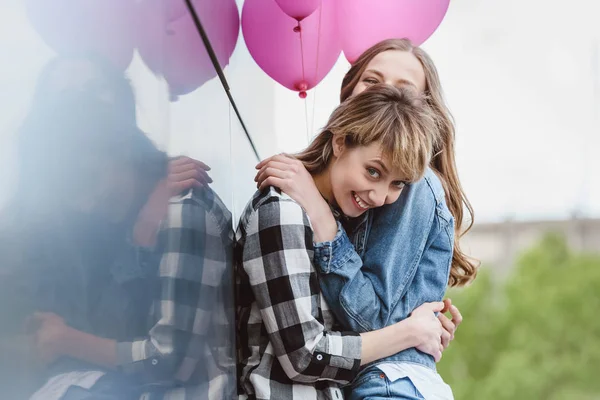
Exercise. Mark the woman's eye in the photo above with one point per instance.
(373, 172)
(399, 184)
(371, 81)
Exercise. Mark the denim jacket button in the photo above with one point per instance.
(324, 258)
(154, 361)
(320, 357)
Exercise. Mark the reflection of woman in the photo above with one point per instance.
(289, 345)
(175, 349)
(411, 250)
(69, 226)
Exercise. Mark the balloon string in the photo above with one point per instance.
(306, 123)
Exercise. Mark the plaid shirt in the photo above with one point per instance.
(189, 353)
(288, 348)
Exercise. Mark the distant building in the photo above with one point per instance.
(498, 244)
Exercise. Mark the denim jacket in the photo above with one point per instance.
(405, 263)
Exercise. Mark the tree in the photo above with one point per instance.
(533, 336)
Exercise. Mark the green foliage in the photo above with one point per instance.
(535, 335)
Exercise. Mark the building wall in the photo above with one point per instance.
(498, 244)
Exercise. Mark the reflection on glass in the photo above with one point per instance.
(115, 259)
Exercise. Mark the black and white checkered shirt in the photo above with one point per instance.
(189, 353)
(288, 347)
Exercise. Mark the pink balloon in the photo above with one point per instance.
(363, 23)
(276, 47)
(103, 27)
(176, 9)
(299, 9)
(174, 49)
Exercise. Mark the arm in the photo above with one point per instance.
(404, 238)
(177, 341)
(277, 257)
(408, 247)
(193, 259)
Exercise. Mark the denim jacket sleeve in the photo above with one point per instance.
(406, 262)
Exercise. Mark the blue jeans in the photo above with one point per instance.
(374, 385)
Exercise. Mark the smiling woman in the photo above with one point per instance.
(372, 144)
(371, 148)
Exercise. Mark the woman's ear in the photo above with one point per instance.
(338, 142)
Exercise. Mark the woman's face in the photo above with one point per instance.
(111, 194)
(362, 178)
(393, 67)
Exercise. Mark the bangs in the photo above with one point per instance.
(406, 150)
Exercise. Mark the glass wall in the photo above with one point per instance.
(126, 158)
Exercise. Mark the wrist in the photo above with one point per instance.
(407, 333)
(66, 341)
(324, 226)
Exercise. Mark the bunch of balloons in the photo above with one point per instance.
(296, 42)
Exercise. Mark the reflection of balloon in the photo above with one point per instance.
(175, 9)
(103, 27)
(297, 58)
(175, 50)
(299, 9)
(363, 23)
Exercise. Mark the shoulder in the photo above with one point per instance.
(429, 189)
(422, 205)
(271, 208)
(199, 207)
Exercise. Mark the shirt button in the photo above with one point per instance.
(324, 258)
(320, 357)
(154, 361)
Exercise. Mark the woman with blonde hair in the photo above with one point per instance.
(409, 252)
(290, 346)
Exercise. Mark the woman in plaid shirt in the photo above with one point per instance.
(409, 252)
(290, 346)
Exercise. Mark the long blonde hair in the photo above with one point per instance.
(399, 119)
(464, 268)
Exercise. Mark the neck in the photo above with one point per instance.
(323, 184)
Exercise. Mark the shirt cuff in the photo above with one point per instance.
(333, 254)
(132, 359)
(342, 351)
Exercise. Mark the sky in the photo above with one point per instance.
(521, 78)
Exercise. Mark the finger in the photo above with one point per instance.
(447, 324)
(457, 317)
(445, 340)
(436, 306)
(192, 165)
(200, 175)
(438, 356)
(273, 169)
(179, 160)
(447, 304)
(272, 164)
(271, 181)
(201, 165)
(263, 162)
(278, 157)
